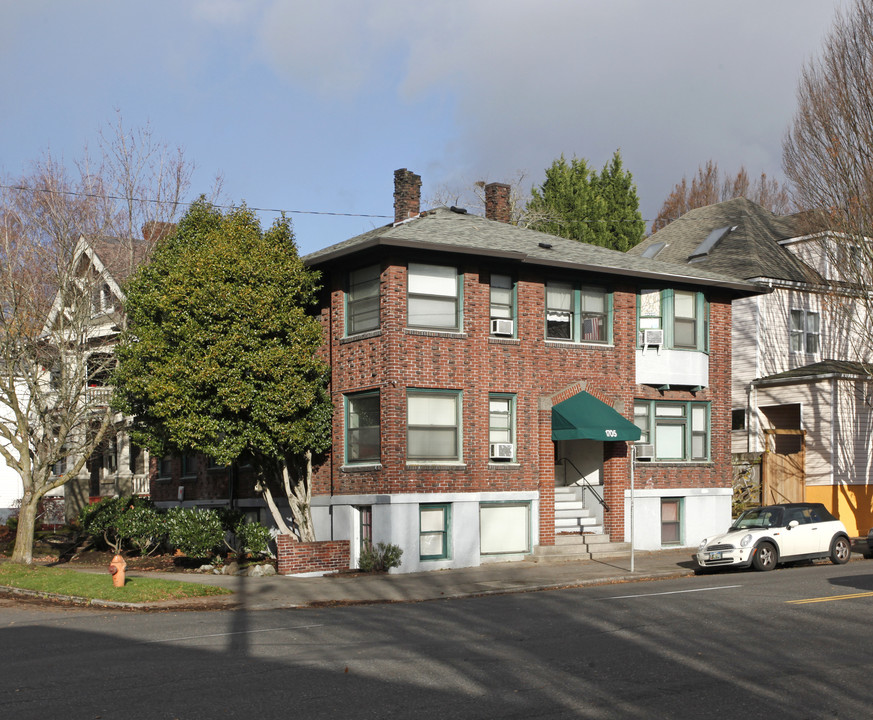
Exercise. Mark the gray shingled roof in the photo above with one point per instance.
(445, 230)
(751, 250)
(822, 368)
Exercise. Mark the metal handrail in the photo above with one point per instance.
(583, 479)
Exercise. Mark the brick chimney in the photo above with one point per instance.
(154, 230)
(407, 194)
(497, 202)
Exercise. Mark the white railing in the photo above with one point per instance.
(139, 484)
(99, 395)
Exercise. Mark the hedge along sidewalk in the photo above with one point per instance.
(95, 588)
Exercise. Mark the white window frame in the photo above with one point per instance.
(804, 329)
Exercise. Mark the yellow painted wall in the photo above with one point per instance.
(853, 504)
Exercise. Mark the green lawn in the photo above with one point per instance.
(99, 585)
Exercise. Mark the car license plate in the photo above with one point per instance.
(715, 556)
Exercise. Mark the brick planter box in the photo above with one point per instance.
(328, 556)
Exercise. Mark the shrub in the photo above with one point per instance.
(379, 557)
(197, 533)
(103, 520)
(252, 537)
(143, 526)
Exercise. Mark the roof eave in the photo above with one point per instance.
(813, 377)
(739, 286)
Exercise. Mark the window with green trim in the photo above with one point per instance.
(502, 313)
(363, 428)
(434, 527)
(683, 315)
(433, 297)
(189, 464)
(678, 430)
(433, 425)
(578, 313)
(362, 300)
(671, 521)
(501, 427)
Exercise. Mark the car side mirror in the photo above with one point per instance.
(793, 524)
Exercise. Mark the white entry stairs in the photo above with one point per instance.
(577, 534)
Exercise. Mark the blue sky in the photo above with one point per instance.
(311, 106)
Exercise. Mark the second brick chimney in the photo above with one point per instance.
(407, 195)
(497, 202)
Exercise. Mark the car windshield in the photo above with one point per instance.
(765, 517)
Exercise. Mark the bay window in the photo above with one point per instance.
(679, 431)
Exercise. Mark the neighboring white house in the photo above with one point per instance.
(117, 467)
(799, 381)
(10, 490)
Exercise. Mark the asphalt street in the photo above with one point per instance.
(793, 643)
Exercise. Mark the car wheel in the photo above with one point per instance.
(840, 551)
(764, 557)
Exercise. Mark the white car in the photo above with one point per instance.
(766, 536)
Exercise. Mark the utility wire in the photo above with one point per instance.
(23, 188)
(183, 202)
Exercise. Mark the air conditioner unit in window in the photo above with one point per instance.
(502, 451)
(653, 337)
(501, 327)
(645, 451)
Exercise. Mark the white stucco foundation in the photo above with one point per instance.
(704, 511)
(396, 520)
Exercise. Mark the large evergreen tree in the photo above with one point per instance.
(578, 203)
(221, 355)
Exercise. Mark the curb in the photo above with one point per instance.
(228, 603)
(183, 604)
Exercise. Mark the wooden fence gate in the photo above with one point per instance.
(783, 478)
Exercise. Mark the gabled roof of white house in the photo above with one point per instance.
(744, 239)
(450, 231)
(110, 258)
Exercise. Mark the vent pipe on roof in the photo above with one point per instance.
(407, 195)
(497, 202)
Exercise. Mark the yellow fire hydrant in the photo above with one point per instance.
(116, 569)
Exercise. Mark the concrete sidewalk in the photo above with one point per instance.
(267, 593)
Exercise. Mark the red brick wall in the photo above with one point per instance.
(326, 557)
(393, 359)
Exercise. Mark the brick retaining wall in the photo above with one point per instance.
(328, 556)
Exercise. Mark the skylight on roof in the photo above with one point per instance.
(712, 239)
(653, 249)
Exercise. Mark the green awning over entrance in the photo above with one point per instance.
(584, 417)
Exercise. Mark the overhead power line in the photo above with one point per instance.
(101, 196)
(277, 211)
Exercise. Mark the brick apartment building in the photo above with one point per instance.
(489, 380)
